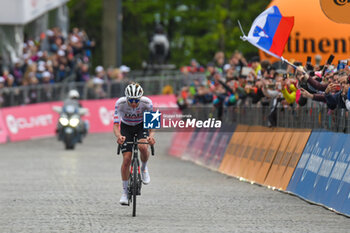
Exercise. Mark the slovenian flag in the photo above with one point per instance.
(270, 31)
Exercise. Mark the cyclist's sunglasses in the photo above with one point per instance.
(134, 100)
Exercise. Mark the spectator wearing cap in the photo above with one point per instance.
(98, 81)
(100, 75)
(47, 90)
(47, 78)
(124, 69)
(41, 68)
(99, 70)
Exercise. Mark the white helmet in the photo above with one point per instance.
(73, 94)
(133, 90)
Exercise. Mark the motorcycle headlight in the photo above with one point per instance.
(63, 121)
(74, 122)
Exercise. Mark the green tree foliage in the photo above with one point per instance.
(196, 28)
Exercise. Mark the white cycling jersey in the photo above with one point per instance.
(131, 116)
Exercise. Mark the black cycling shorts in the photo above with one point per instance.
(128, 131)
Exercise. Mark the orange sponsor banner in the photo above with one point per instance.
(254, 136)
(271, 151)
(272, 178)
(336, 10)
(286, 157)
(259, 156)
(231, 154)
(303, 137)
(255, 149)
(313, 32)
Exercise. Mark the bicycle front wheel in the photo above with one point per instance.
(134, 187)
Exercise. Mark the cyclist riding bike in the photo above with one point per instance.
(129, 116)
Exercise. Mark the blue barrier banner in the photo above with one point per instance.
(307, 180)
(303, 161)
(338, 197)
(344, 193)
(323, 172)
(329, 166)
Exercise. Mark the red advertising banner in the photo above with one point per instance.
(39, 120)
(100, 116)
(3, 130)
(27, 122)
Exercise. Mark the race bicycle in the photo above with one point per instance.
(135, 182)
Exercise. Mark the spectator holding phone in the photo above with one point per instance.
(336, 93)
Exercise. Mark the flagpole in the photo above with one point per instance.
(240, 26)
(291, 64)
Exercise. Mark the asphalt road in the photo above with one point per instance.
(44, 188)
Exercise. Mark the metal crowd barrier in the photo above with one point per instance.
(318, 116)
(314, 116)
(152, 85)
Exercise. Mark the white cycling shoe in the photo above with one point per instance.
(145, 176)
(124, 199)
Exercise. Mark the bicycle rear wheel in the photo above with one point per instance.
(134, 187)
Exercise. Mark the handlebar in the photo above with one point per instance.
(132, 143)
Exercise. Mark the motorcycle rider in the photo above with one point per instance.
(73, 101)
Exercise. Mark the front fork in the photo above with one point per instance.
(131, 180)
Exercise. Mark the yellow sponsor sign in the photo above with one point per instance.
(336, 10)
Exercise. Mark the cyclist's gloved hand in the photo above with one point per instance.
(121, 139)
(151, 140)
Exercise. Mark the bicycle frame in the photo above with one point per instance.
(135, 164)
(135, 182)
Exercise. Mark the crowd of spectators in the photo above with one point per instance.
(224, 81)
(238, 82)
(53, 58)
